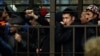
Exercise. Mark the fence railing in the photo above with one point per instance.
(84, 28)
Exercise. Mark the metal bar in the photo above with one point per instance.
(28, 42)
(49, 4)
(85, 34)
(80, 7)
(16, 49)
(52, 27)
(96, 31)
(16, 46)
(38, 41)
(82, 26)
(64, 26)
(31, 3)
(73, 41)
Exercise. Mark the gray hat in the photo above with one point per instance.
(16, 20)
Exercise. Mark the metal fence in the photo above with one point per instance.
(52, 29)
(52, 40)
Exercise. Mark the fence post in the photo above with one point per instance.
(52, 27)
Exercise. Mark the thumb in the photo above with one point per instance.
(62, 22)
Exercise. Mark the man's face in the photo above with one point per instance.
(28, 15)
(4, 14)
(89, 15)
(28, 12)
(67, 18)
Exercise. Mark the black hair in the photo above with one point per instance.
(5, 7)
(69, 11)
(1, 11)
(36, 10)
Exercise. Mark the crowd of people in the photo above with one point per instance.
(21, 34)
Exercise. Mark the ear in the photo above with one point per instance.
(73, 18)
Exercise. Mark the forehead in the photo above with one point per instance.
(66, 15)
(28, 10)
(88, 11)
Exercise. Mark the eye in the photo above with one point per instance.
(88, 14)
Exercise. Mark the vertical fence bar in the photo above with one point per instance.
(16, 50)
(73, 41)
(31, 3)
(52, 26)
(96, 31)
(80, 7)
(28, 41)
(38, 41)
(85, 33)
(16, 42)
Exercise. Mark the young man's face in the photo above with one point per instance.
(89, 15)
(86, 16)
(67, 18)
(29, 12)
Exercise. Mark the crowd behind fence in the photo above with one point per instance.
(27, 33)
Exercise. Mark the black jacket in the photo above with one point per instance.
(63, 34)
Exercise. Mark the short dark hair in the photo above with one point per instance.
(36, 10)
(68, 11)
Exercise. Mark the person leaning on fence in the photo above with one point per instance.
(64, 35)
(90, 17)
(38, 20)
(5, 48)
(18, 36)
(92, 47)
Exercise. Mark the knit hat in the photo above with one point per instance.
(16, 20)
(43, 11)
(93, 8)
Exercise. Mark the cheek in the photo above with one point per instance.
(87, 16)
(90, 17)
(64, 20)
(67, 20)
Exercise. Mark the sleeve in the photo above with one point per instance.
(62, 32)
(24, 43)
(42, 21)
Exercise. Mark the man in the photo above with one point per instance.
(4, 46)
(64, 35)
(19, 39)
(41, 41)
(89, 17)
